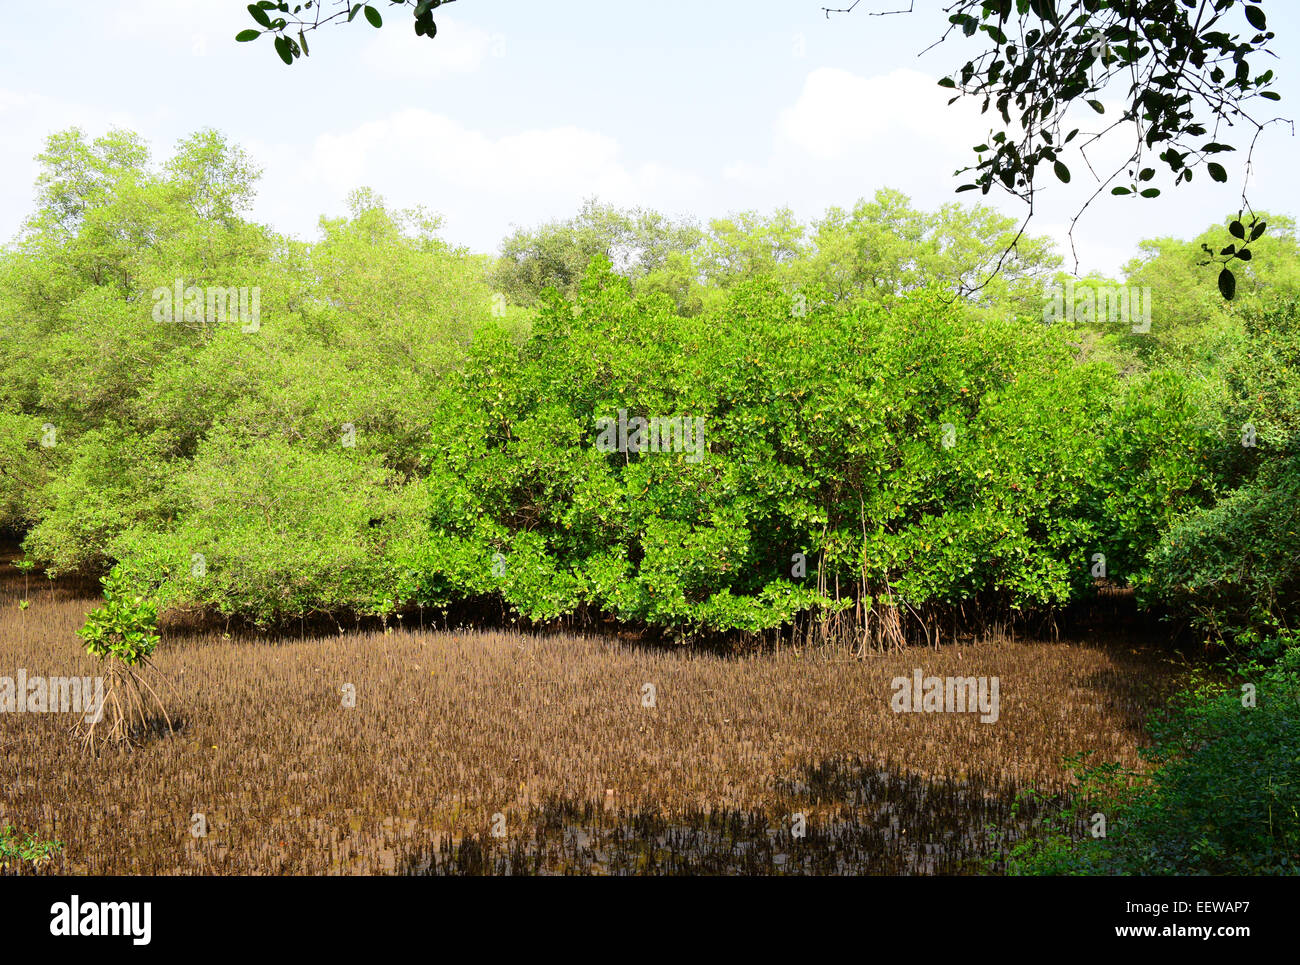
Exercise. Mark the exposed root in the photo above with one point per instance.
(130, 709)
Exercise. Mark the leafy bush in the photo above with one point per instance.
(123, 633)
(1233, 569)
(1157, 448)
(270, 530)
(28, 849)
(1223, 796)
(356, 329)
(1231, 566)
(915, 456)
(123, 628)
(114, 479)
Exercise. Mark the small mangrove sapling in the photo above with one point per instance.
(122, 633)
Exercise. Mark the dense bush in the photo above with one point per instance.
(1231, 566)
(121, 430)
(1222, 797)
(1234, 568)
(917, 457)
(270, 530)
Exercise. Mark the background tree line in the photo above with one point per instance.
(397, 433)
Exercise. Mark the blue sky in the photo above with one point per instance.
(518, 110)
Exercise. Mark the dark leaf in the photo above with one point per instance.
(284, 50)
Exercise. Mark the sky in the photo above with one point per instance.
(520, 110)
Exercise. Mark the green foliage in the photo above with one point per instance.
(1222, 797)
(1244, 232)
(25, 469)
(885, 247)
(1229, 565)
(1157, 448)
(269, 530)
(643, 244)
(124, 627)
(1063, 842)
(146, 410)
(1168, 58)
(1234, 568)
(27, 849)
(288, 24)
(824, 436)
(1185, 311)
(878, 430)
(113, 480)
(877, 252)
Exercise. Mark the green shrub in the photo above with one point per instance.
(271, 530)
(1233, 569)
(29, 849)
(916, 457)
(1223, 797)
(123, 628)
(1228, 563)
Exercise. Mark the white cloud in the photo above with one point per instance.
(844, 136)
(839, 114)
(418, 144)
(480, 182)
(459, 48)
